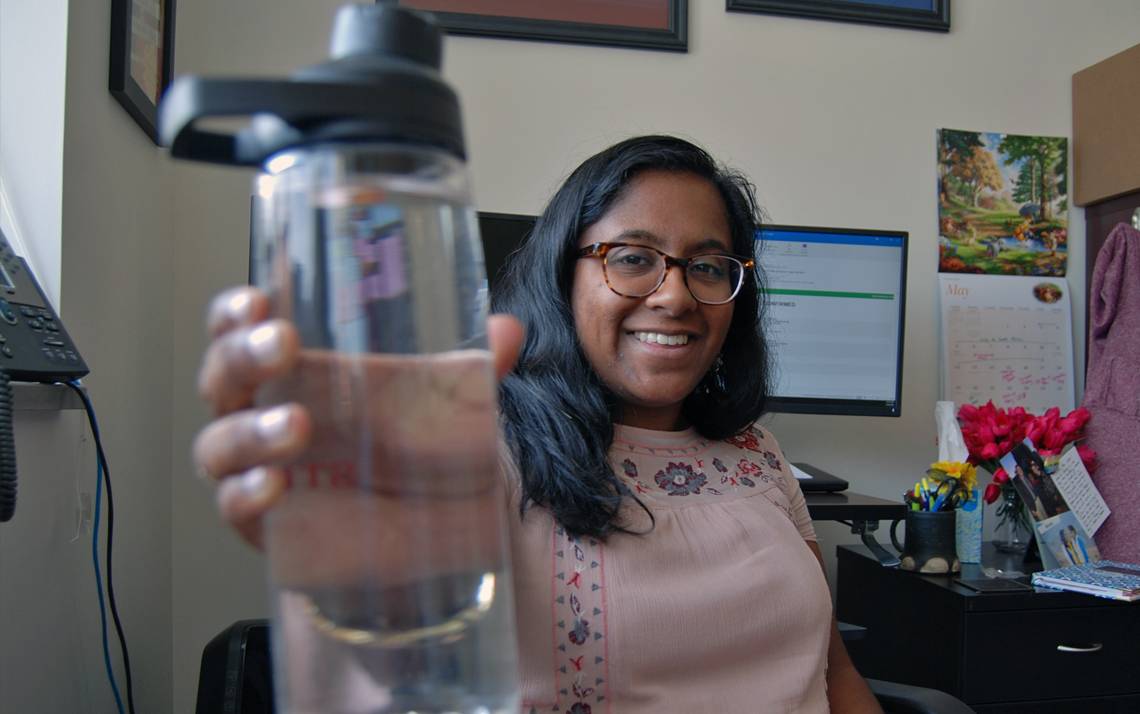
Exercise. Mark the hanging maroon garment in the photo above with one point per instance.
(1112, 390)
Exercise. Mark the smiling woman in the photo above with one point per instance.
(583, 356)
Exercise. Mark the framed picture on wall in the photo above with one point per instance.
(643, 24)
(142, 57)
(915, 14)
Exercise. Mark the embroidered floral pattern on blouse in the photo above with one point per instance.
(680, 479)
(692, 475)
(629, 468)
(772, 460)
(580, 614)
(748, 440)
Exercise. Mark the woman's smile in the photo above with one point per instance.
(661, 338)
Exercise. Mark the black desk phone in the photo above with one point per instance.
(34, 347)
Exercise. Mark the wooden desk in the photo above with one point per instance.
(850, 506)
(998, 652)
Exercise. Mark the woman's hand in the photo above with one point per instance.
(244, 448)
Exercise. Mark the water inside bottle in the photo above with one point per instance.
(432, 646)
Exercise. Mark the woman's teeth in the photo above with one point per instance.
(659, 339)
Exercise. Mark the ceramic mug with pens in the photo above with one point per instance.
(930, 545)
(931, 532)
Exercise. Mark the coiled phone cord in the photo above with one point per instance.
(7, 451)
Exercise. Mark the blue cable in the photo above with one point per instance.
(99, 586)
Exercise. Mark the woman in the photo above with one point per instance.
(663, 555)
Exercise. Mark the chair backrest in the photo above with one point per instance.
(237, 672)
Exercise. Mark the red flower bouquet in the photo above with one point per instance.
(991, 432)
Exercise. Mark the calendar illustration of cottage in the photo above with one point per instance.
(1007, 339)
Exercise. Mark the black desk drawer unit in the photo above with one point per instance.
(1031, 651)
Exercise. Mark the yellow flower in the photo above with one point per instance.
(951, 469)
(965, 474)
(969, 478)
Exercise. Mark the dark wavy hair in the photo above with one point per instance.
(557, 414)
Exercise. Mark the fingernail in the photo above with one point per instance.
(273, 425)
(238, 305)
(254, 482)
(265, 344)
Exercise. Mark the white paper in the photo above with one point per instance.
(951, 445)
(800, 473)
(1073, 481)
(1007, 338)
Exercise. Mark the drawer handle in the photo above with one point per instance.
(1097, 647)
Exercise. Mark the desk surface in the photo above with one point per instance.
(973, 601)
(851, 506)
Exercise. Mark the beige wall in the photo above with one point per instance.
(116, 288)
(836, 124)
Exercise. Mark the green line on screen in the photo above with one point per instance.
(831, 293)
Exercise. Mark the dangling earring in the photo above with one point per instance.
(720, 381)
(715, 383)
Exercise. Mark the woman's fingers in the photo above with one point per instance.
(235, 449)
(240, 360)
(505, 335)
(236, 307)
(244, 499)
(242, 440)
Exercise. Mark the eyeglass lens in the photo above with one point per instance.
(637, 271)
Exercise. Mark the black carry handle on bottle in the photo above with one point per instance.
(382, 83)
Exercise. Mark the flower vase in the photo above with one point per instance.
(1013, 530)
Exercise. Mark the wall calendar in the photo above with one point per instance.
(1008, 339)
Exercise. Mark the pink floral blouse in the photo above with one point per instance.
(721, 607)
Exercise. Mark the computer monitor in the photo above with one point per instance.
(836, 309)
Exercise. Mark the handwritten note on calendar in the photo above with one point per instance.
(1008, 339)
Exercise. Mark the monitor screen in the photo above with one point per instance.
(836, 308)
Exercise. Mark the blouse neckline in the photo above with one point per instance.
(684, 440)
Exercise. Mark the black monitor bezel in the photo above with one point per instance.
(501, 253)
(849, 407)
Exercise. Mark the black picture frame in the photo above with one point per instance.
(123, 84)
(673, 39)
(885, 12)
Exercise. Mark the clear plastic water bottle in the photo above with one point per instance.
(388, 558)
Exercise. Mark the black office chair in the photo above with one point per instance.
(236, 678)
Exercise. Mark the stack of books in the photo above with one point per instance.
(1104, 578)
